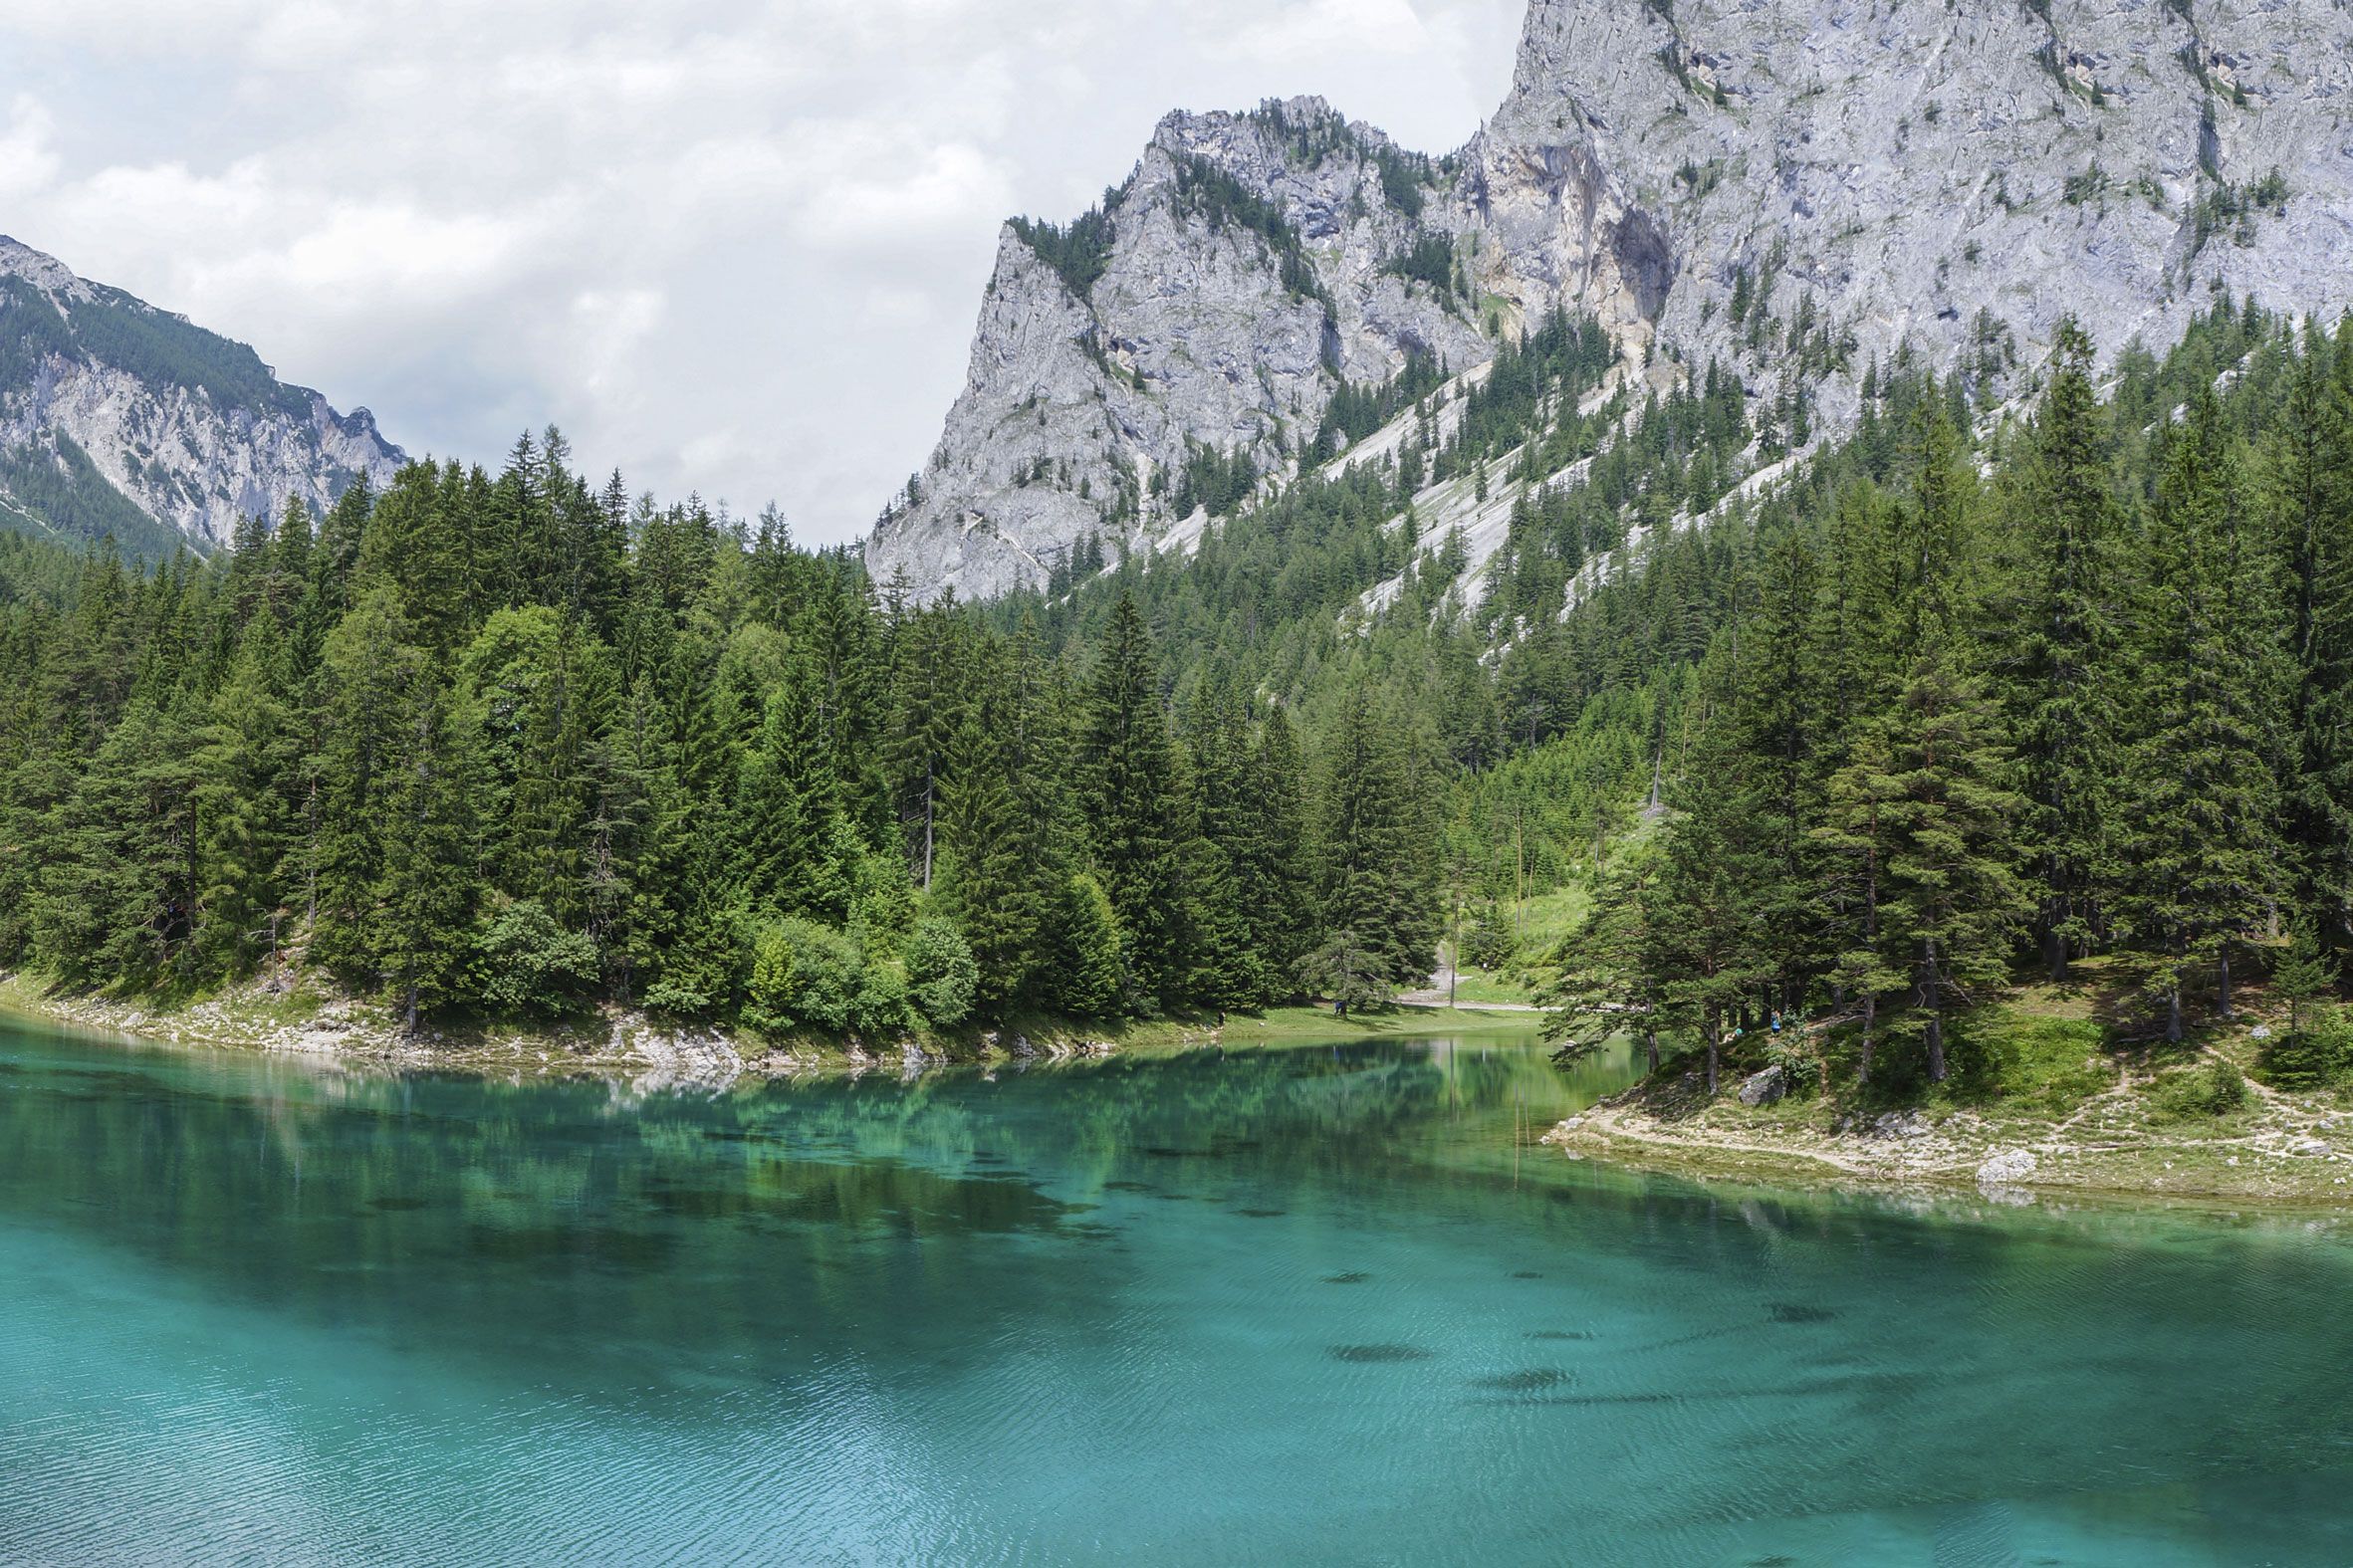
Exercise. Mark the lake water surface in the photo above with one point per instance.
(1319, 1304)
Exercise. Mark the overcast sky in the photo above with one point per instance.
(729, 246)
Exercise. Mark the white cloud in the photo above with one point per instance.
(729, 245)
(27, 162)
(1378, 27)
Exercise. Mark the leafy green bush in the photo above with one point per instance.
(804, 975)
(880, 1005)
(1090, 972)
(525, 964)
(2216, 1088)
(942, 976)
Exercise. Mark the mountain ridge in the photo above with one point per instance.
(122, 419)
(1796, 192)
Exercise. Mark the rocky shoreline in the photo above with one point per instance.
(651, 1054)
(2283, 1151)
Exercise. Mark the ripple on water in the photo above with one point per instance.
(1796, 1312)
(1378, 1354)
(1530, 1380)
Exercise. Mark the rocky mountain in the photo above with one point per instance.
(1795, 192)
(119, 418)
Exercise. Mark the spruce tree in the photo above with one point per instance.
(1372, 842)
(2064, 682)
(2204, 822)
(1126, 766)
(1953, 899)
(248, 770)
(2310, 498)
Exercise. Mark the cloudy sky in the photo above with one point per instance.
(733, 245)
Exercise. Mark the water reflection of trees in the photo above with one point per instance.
(555, 1210)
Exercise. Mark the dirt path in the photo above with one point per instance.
(1435, 994)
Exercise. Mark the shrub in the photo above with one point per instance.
(2315, 1056)
(1088, 968)
(880, 1005)
(526, 964)
(942, 976)
(2216, 1088)
(803, 976)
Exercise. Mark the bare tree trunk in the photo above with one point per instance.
(1870, 1022)
(928, 784)
(1936, 1046)
(2224, 998)
(1651, 1041)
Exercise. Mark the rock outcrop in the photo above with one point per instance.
(1797, 190)
(119, 418)
(1250, 266)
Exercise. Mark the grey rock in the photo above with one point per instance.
(1080, 412)
(1765, 1088)
(1944, 178)
(2006, 1167)
(188, 427)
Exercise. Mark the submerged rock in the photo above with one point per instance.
(1379, 1353)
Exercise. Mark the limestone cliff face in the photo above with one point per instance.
(116, 417)
(1247, 267)
(1795, 188)
(1872, 173)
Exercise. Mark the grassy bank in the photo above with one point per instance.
(2048, 1092)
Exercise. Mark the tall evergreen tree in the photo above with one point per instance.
(2063, 685)
(1127, 767)
(2205, 841)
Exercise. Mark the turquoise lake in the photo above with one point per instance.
(1295, 1306)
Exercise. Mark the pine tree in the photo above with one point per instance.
(1228, 969)
(1703, 917)
(1088, 977)
(1004, 870)
(2203, 837)
(1609, 976)
(1127, 766)
(426, 893)
(247, 770)
(2310, 506)
(117, 901)
(796, 854)
(1372, 843)
(1952, 897)
(367, 680)
(1856, 835)
(2062, 687)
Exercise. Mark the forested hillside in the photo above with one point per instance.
(1982, 691)
(513, 744)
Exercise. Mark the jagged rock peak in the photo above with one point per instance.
(120, 419)
(1793, 191)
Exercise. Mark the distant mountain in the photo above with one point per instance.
(116, 418)
(1793, 191)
